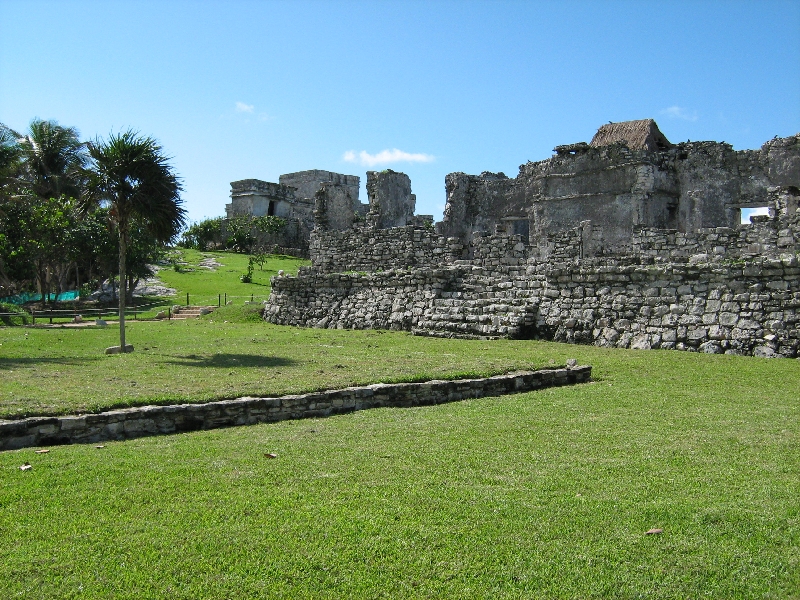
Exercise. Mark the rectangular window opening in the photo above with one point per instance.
(752, 211)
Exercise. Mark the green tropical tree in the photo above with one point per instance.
(53, 160)
(202, 235)
(10, 160)
(131, 174)
(41, 170)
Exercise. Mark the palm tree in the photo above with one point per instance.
(53, 160)
(131, 175)
(50, 161)
(9, 166)
(10, 154)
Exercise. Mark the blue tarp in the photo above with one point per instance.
(20, 299)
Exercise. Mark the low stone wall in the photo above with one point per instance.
(153, 420)
(714, 305)
(768, 237)
(750, 308)
(394, 299)
(733, 290)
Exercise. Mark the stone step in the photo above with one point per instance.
(191, 312)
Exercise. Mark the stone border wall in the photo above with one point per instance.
(748, 308)
(731, 290)
(154, 420)
(708, 304)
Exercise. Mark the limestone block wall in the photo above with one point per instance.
(334, 207)
(152, 420)
(370, 249)
(308, 182)
(719, 306)
(713, 307)
(734, 290)
(390, 198)
(392, 299)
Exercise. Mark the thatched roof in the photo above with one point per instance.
(637, 135)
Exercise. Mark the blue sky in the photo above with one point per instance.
(238, 89)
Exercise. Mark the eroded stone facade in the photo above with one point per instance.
(294, 199)
(605, 245)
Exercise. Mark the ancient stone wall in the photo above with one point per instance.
(260, 198)
(733, 290)
(634, 244)
(371, 249)
(152, 420)
(390, 198)
(306, 183)
(715, 306)
(334, 207)
(618, 188)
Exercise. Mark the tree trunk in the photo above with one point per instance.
(123, 249)
(133, 281)
(41, 277)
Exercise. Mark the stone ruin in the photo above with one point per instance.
(628, 241)
(293, 199)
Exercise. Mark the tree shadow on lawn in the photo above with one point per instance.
(231, 360)
(31, 361)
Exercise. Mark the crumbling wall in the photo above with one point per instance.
(307, 183)
(390, 196)
(613, 187)
(716, 306)
(260, 198)
(686, 187)
(333, 207)
(370, 249)
(734, 290)
(782, 158)
(519, 258)
(478, 203)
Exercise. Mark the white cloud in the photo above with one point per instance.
(385, 157)
(678, 112)
(245, 108)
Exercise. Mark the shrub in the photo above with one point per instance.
(11, 314)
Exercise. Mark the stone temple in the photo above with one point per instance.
(292, 199)
(627, 241)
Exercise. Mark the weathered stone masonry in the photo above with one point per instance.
(733, 289)
(706, 301)
(152, 420)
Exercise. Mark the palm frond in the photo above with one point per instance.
(132, 174)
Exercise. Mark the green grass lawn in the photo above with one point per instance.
(540, 495)
(62, 370)
(205, 286)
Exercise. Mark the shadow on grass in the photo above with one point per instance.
(231, 360)
(28, 361)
